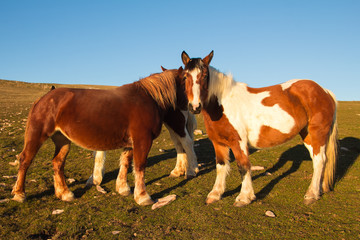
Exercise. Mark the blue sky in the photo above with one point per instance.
(117, 42)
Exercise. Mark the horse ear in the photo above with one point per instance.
(163, 69)
(208, 58)
(180, 70)
(185, 58)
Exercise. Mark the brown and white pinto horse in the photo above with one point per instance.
(129, 116)
(236, 116)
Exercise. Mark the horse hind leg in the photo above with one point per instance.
(319, 158)
(246, 195)
(33, 141)
(26, 157)
(122, 186)
(62, 148)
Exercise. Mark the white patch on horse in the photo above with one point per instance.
(195, 88)
(245, 110)
(288, 84)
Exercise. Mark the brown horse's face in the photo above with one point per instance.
(196, 77)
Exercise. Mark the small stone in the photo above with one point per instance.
(115, 232)
(13, 176)
(198, 132)
(345, 149)
(161, 150)
(163, 201)
(257, 168)
(57, 211)
(71, 180)
(270, 214)
(4, 200)
(14, 163)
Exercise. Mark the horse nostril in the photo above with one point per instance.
(190, 106)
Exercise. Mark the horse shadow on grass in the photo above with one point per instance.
(349, 150)
(203, 149)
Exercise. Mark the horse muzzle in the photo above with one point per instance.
(195, 110)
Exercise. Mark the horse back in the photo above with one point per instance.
(97, 119)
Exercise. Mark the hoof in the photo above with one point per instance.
(67, 197)
(145, 202)
(124, 192)
(190, 176)
(175, 174)
(19, 198)
(309, 200)
(210, 200)
(123, 189)
(241, 203)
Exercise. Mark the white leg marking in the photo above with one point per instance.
(246, 195)
(220, 183)
(140, 195)
(314, 191)
(99, 167)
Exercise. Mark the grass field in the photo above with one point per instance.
(94, 215)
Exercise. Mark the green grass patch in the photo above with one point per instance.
(94, 215)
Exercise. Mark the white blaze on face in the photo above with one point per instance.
(195, 88)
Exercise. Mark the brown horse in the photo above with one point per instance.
(129, 116)
(180, 124)
(236, 116)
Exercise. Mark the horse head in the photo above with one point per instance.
(196, 78)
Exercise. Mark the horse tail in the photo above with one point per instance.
(331, 153)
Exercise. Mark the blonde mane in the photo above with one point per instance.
(219, 84)
(161, 87)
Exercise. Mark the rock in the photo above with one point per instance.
(57, 211)
(163, 201)
(257, 168)
(270, 214)
(4, 200)
(198, 132)
(71, 180)
(14, 163)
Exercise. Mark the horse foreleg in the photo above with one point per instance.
(99, 169)
(62, 148)
(122, 186)
(222, 170)
(246, 195)
(181, 158)
(186, 162)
